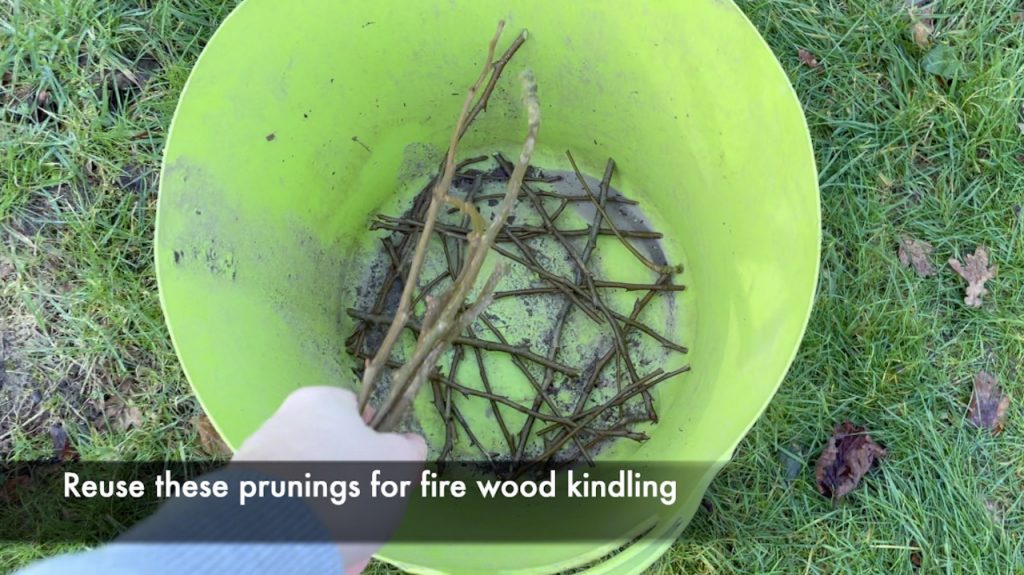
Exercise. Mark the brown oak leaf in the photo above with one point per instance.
(808, 59)
(847, 456)
(976, 272)
(124, 417)
(209, 440)
(988, 403)
(915, 253)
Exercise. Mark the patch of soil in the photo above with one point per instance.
(25, 103)
(136, 178)
(39, 387)
(44, 209)
(20, 397)
(121, 86)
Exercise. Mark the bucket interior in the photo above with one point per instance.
(302, 120)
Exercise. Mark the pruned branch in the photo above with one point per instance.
(449, 315)
(440, 191)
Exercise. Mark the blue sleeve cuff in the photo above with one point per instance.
(219, 537)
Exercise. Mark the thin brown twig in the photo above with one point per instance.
(405, 225)
(612, 199)
(417, 328)
(647, 262)
(444, 403)
(599, 366)
(497, 68)
(420, 203)
(597, 283)
(451, 414)
(555, 446)
(566, 287)
(486, 381)
(427, 289)
(457, 414)
(469, 161)
(454, 268)
(570, 290)
(599, 439)
(558, 212)
(491, 396)
(495, 178)
(582, 273)
(449, 427)
(466, 220)
(542, 396)
(599, 409)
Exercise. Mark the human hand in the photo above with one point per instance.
(297, 432)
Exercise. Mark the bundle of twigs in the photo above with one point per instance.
(450, 322)
(448, 315)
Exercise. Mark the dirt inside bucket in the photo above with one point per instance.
(566, 360)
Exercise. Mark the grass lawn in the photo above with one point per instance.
(88, 89)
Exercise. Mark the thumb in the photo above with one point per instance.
(418, 445)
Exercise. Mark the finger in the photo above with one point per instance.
(320, 396)
(400, 447)
(368, 413)
(419, 445)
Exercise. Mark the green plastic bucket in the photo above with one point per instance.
(301, 118)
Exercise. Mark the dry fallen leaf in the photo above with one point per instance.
(808, 59)
(988, 403)
(921, 14)
(847, 456)
(916, 559)
(123, 417)
(129, 418)
(922, 34)
(209, 440)
(6, 270)
(11, 488)
(996, 510)
(915, 253)
(976, 271)
(63, 450)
